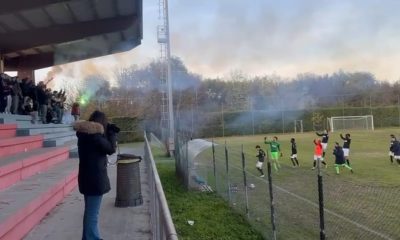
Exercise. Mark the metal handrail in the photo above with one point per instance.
(163, 227)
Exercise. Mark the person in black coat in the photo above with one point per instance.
(95, 142)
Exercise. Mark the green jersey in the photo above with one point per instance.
(275, 146)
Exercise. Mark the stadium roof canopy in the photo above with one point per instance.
(41, 33)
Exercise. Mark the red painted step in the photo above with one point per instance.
(23, 165)
(23, 205)
(8, 130)
(9, 146)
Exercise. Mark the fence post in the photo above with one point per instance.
(245, 183)
(271, 197)
(187, 173)
(213, 156)
(227, 172)
(398, 106)
(321, 202)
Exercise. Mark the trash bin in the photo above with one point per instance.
(128, 181)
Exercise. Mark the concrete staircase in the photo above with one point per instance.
(38, 169)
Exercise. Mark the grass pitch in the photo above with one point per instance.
(363, 205)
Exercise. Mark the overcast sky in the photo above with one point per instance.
(285, 37)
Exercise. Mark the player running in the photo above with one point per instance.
(346, 147)
(261, 159)
(339, 158)
(391, 153)
(318, 153)
(325, 139)
(396, 151)
(275, 150)
(293, 157)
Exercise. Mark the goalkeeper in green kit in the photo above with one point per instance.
(275, 151)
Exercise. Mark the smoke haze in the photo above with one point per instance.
(265, 37)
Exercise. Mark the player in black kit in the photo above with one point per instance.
(260, 160)
(293, 157)
(346, 146)
(391, 152)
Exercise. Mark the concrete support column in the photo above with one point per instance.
(1, 64)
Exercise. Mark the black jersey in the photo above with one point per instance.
(391, 144)
(339, 155)
(346, 141)
(294, 148)
(325, 137)
(261, 155)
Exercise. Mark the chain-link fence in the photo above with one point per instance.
(297, 203)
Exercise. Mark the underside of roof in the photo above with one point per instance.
(41, 33)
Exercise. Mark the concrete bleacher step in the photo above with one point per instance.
(72, 145)
(11, 118)
(8, 130)
(36, 129)
(24, 204)
(9, 146)
(25, 164)
(58, 139)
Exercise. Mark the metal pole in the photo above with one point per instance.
(271, 197)
(186, 159)
(343, 127)
(283, 116)
(169, 82)
(215, 175)
(370, 104)
(321, 203)
(398, 106)
(222, 119)
(252, 114)
(227, 172)
(245, 183)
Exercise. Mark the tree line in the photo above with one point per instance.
(137, 93)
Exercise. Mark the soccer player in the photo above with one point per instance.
(346, 147)
(391, 153)
(318, 153)
(325, 139)
(275, 149)
(339, 158)
(396, 151)
(293, 157)
(261, 159)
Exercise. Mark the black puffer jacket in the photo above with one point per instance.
(93, 147)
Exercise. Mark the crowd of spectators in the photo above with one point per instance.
(23, 96)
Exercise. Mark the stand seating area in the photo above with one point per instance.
(38, 169)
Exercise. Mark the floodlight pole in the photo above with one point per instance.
(169, 80)
(169, 83)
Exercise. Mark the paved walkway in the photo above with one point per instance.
(65, 221)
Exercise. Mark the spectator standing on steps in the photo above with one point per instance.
(95, 142)
(75, 111)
